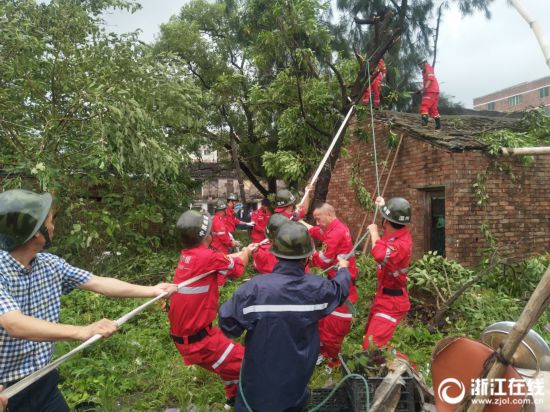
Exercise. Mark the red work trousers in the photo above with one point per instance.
(376, 86)
(218, 354)
(429, 104)
(332, 331)
(385, 314)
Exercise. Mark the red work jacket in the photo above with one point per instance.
(264, 260)
(231, 219)
(290, 214)
(260, 217)
(195, 306)
(428, 74)
(221, 241)
(393, 254)
(336, 240)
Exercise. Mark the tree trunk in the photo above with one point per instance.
(235, 158)
(389, 38)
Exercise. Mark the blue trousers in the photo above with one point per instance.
(41, 396)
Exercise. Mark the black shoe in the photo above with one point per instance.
(424, 120)
(229, 403)
(437, 123)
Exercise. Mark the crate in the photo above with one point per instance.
(339, 402)
(357, 397)
(356, 389)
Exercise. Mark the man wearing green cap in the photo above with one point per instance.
(392, 252)
(31, 285)
(280, 313)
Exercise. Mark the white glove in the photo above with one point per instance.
(251, 224)
(379, 201)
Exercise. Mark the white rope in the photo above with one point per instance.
(33, 377)
(352, 251)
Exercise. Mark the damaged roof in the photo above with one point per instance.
(458, 132)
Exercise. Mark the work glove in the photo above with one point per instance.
(251, 224)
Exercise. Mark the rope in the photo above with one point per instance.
(357, 243)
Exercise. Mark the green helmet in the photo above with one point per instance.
(193, 226)
(22, 214)
(292, 241)
(397, 210)
(285, 198)
(220, 205)
(273, 225)
(232, 196)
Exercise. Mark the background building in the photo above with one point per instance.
(517, 98)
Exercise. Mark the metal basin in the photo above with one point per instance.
(533, 353)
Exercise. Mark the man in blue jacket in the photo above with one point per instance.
(280, 312)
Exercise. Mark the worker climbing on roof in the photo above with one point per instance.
(375, 86)
(31, 285)
(392, 253)
(193, 309)
(336, 240)
(280, 313)
(430, 95)
(286, 204)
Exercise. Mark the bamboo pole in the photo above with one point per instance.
(543, 43)
(525, 151)
(384, 188)
(539, 301)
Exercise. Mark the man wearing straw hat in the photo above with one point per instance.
(31, 285)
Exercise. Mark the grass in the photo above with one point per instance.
(139, 369)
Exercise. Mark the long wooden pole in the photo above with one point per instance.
(33, 377)
(539, 301)
(525, 151)
(328, 152)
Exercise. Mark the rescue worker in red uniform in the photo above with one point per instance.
(430, 95)
(376, 85)
(264, 261)
(285, 202)
(260, 218)
(193, 308)
(336, 239)
(392, 252)
(221, 240)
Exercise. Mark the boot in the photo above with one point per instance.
(437, 123)
(424, 120)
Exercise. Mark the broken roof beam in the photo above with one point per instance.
(525, 151)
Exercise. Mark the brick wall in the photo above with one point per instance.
(518, 212)
(529, 92)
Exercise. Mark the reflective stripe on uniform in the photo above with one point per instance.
(224, 355)
(193, 290)
(284, 308)
(227, 383)
(342, 315)
(324, 258)
(386, 316)
(229, 267)
(399, 272)
(386, 257)
(218, 233)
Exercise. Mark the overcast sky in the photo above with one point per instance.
(475, 56)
